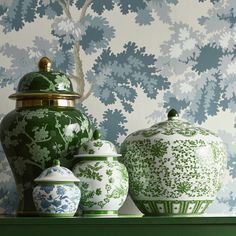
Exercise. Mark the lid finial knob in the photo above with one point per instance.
(172, 114)
(96, 134)
(45, 64)
(56, 162)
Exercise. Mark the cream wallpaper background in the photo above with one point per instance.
(188, 62)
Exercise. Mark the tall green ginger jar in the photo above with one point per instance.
(44, 126)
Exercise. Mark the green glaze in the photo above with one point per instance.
(124, 225)
(96, 134)
(32, 138)
(172, 113)
(45, 82)
(172, 207)
(86, 213)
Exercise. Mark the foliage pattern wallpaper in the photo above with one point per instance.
(132, 60)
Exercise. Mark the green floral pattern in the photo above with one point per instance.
(171, 169)
(171, 127)
(34, 137)
(104, 184)
(98, 146)
(174, 161)
(46, 81)
(36, 128)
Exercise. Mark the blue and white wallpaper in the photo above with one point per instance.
(132, 60)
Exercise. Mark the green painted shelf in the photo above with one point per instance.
(122, 226)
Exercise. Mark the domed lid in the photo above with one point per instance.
(56, 173)
(173, 126)
(45, 83)
(98, 147)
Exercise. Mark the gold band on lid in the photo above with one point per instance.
(21, 96)
(45, 64)
(45, 103)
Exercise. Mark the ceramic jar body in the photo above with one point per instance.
(57, 200)
(174, 168)
(33, 137)
(104, 185)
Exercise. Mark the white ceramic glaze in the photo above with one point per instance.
(56, 194)
(174, 167)
(56, 173)
(98, 147)
(104, 180)
(98, 155)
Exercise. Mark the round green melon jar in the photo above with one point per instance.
(175, 168)
(44, 126)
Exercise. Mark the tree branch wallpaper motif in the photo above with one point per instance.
(131, 60)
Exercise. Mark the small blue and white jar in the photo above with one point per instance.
(56, 193)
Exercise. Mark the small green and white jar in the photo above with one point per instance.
(175, 168)
(103, 179)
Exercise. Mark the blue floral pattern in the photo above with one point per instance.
(191, 66)
(56, 199)
(56, 169)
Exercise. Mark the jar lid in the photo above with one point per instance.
(173, 126)
(56, 173)
(45, 83)
(98, 147)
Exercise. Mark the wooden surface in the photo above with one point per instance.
(122, 226)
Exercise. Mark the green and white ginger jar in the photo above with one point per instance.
(103, 179)
(44, 126)
(175, 168)
(56, 194)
